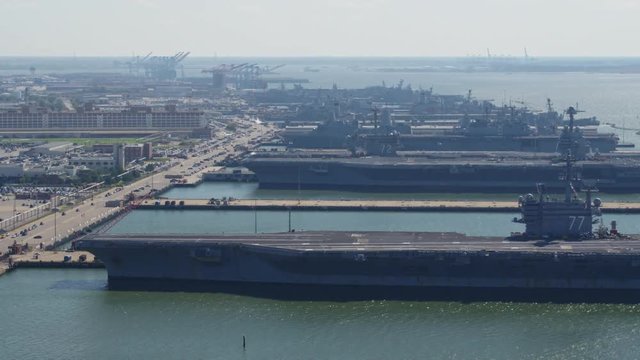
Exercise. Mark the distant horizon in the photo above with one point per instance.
(191, 56)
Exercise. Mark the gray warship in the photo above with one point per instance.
(558, 257)
(376, 164)
(504, 129)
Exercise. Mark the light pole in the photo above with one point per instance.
(255, 217)
(54, 203)
(299, 185)
(15, 216)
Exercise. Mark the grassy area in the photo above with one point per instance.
(75, 140)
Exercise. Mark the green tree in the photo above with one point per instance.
(87, 176)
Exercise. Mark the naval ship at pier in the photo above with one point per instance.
(558, 257)
(376, 164)
(499, 129)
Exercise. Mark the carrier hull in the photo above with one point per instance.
(406, 174)
(374, 265)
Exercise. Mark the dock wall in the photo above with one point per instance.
(361, 205)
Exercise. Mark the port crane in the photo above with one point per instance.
(136, 62)
(220, 72)
(162, 67)
(242, 76)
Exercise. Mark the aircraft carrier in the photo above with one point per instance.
(559, 257)
(489, 172)
(375, 165)
(369, 264)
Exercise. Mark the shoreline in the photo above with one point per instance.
(361, 205)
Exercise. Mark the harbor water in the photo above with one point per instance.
(246, 221)
(242, 221)
(68, 314)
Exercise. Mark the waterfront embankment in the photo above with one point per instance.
(362, 205)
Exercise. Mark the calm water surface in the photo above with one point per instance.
(240, 221)
(219, 190)
(68, 314)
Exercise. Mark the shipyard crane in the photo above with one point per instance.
(181, 56)
(245, 75)
(135, 62)
(163, 67)
(218, 73)
(264, 70)
(270, 70)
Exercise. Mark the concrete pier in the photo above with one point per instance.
(55, 259)
(363, 205)
(336, 205)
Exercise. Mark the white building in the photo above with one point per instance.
(94, 162)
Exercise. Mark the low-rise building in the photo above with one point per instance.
(147, 150)
(133, 153)
(99, 163)
(203, 133)
(51, 149)
(103, 148)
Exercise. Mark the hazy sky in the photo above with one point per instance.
(320, 27)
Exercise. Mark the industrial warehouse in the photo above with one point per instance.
(139, 117)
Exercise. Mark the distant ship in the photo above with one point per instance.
(330, 135)
(442, 172)
(377, 167)
(471, 134)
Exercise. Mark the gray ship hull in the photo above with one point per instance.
(601, 143)
(373, 265)
(439, 175)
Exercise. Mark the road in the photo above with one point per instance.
(59, 225)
